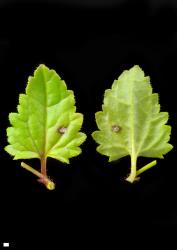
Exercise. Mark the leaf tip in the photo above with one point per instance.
(42, 66)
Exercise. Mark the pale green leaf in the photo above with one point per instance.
(130, 122)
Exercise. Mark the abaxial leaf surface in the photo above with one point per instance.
(130, 122)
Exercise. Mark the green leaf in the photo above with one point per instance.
(46, 124)
(131, 123)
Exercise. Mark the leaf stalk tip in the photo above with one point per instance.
(50, 185)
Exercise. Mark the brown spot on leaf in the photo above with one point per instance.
(115, 128)
(62, 130)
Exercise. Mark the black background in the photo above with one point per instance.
(89, 44)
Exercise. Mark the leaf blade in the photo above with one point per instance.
(46, 124)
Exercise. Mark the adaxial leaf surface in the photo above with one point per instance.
(130, 122)
(46, 124)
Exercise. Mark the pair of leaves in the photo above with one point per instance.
(47, 124)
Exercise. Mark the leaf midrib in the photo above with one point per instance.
(45, 114)
(132, 131)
